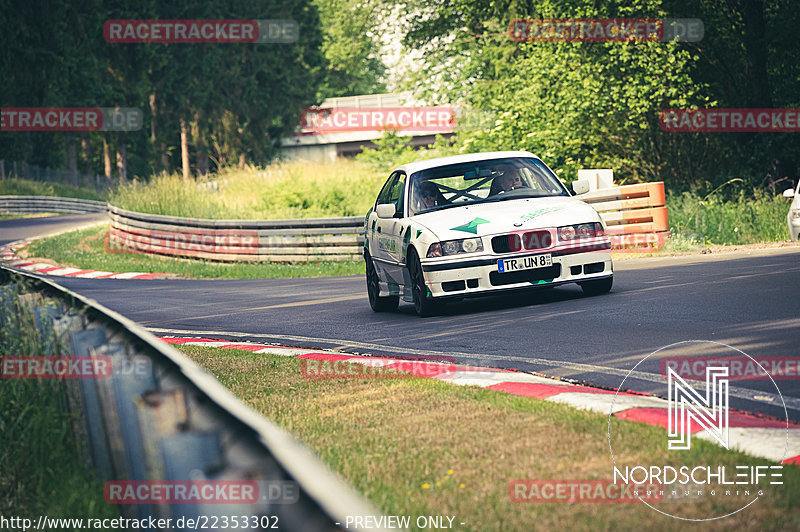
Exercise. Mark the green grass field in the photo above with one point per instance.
(23, 187)
(280, 191)
(84, 249)
(426, 447)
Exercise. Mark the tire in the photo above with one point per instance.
(423, 305)
(378, 303)
(597, 287)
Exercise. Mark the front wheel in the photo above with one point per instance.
(378, 303)
(597, 287)
(423, 305)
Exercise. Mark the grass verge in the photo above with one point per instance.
(424, 447)
(24, 187)
(741, 219)
(279, 191)
(84, 249)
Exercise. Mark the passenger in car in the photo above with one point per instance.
(427, 196)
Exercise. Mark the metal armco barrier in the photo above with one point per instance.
(635, 215)
(157, 418)
(302, 240)
(38, 204)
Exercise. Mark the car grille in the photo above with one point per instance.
(517, 242)
(525, 276)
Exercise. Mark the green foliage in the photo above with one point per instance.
(741, 219)
(278, 191)
(238, 100)
(392, 150)
(24, 187)
(351, 47)
(590, 105)
(167, 194)
(42, 470)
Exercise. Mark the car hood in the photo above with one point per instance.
(505, 216)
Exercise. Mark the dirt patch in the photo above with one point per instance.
(83, 245)
(24, 253)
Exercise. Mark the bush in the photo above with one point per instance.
(742, 219)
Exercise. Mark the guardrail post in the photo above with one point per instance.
(83, 343)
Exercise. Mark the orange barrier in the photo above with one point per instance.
(635, 215)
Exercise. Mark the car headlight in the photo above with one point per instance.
(571, 232)
(453, 247)
(795, 214)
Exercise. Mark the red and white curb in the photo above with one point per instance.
(8, 255)
(753, 435)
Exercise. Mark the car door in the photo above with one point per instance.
(385, 233)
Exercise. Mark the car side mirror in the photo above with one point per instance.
(788, 193)
(385, 210)
(580, 187)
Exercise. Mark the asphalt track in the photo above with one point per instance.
(749, 300)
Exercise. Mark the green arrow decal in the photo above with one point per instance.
(471, 227)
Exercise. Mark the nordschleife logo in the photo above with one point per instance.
(686, 405)
(693, 449)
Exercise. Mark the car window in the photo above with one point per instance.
(483, 181)
(392, 191)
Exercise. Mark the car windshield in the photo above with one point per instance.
(482, 182)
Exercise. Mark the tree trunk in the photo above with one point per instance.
(241, 161)
(185, 150)
(122, 161)
(87, 158)
(159, 156)
(201, 152)
(165, 162)
(106, 157)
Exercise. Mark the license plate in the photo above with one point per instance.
(524, 263)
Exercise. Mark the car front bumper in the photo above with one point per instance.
(476, 275)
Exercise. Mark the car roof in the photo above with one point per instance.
(410, 168)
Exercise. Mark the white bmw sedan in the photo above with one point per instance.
(478, 224)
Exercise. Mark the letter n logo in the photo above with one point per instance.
(687, 405)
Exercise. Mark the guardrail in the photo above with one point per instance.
(155, 418)
(38, 204)
(635, 215)
(302, 240)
